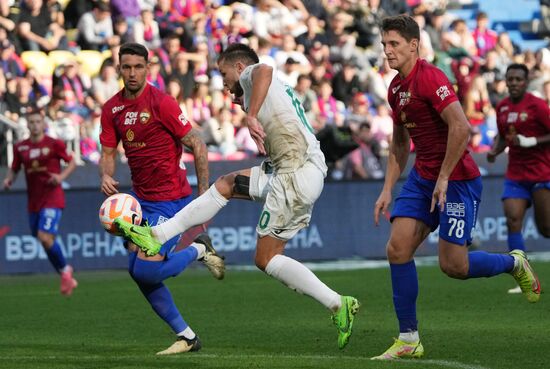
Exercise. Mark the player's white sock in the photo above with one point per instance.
(200, 210)
(187, 333)
(409, 337)
(298, 277)
(201, 249)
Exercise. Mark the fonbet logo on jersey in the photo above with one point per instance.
(443, 92)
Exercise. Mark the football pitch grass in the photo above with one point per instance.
(251, 321)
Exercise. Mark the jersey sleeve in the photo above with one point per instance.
(435, 87)
(61, 151)
(543, 114)
(173, 118)
(500, 119)
(16, 163)
(108, 136)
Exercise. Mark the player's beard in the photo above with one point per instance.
(238, 90)
(133, 90)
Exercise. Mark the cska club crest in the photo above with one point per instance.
(45, 151)
(130, 135)
(144, 117)
(523, 116)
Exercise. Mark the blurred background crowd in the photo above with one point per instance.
(61, 56)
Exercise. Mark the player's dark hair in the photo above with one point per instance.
(403, 24)
(132, 48)
(238, 52)
(519, 66)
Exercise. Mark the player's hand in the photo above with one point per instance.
(256, 132)
(491, 157)
(439, 195)
(381, 205)
(108, 185)
(55, 179)
(7, 183)
(522, 141)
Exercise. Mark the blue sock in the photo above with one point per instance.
(405, 291)
(515, 241)
(484, 264)
(162, 303)
(153, 272)
(56, 258)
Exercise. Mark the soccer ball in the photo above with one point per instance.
(119, 205)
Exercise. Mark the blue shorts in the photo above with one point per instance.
(521, 189)
(457, 222)
(157, 212)
(45, 220)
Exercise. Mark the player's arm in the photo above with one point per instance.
(397, 160)
(542, 117)
(11, 175)
(57, 179)
(523, 141)
(457, 140)
(261, 80)
(498, 147)
(193, 142)
(107, 166)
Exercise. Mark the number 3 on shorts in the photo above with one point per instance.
(264, 219)
(457, 225)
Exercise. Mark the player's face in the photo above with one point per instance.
(516, 81)
(36, 125)
(398, 50)
(230, 74)
(133, 69)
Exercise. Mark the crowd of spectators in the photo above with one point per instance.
(328, 50)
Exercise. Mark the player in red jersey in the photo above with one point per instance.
(40, 155)
(524, 126)
(442, 190)
(152, 129)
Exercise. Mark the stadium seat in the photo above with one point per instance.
(90, 61)
(38, 60)
(60, 57)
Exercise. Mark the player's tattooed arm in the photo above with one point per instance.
(193, 142)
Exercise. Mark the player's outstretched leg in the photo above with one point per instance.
(140, 235)
(402, 350)
(525, 276)
(213, 261)
(343, 319)
(68, 283)
(181, 345)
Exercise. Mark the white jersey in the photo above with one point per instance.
(289, 141)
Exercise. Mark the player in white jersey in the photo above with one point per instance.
(288, 184)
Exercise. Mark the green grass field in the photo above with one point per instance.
(251, 321)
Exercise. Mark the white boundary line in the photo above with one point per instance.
(444, 363)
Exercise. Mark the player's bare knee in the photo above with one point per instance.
(46, 240)
(397, 254)
(544, 231)
(514, 223)
(454, 270)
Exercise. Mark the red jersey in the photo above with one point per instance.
(417, 102)
(39, 160)
(151, 128)
(531, 118)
